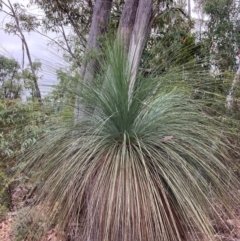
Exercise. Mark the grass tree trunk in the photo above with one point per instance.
(100, 19)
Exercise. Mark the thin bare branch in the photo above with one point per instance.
(75, 26)
(69, 48)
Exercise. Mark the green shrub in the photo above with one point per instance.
(21, 124)
(5, 196)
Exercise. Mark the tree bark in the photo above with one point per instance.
(189, 8)
(127, 21)
(100, 19)
(140, 32)
(229, 99)
(133, 30)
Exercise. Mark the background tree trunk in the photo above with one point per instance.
(127, 21)
(138, 39)
(189, 8)
(229, 99)
(100, 19)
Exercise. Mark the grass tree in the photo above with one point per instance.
(143, 166)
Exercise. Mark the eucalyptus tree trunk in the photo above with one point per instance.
(100, 19)
(133, 30)
(230, 99)
(189, 8)
(138, 39)
(127, 21)
(37, 93)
